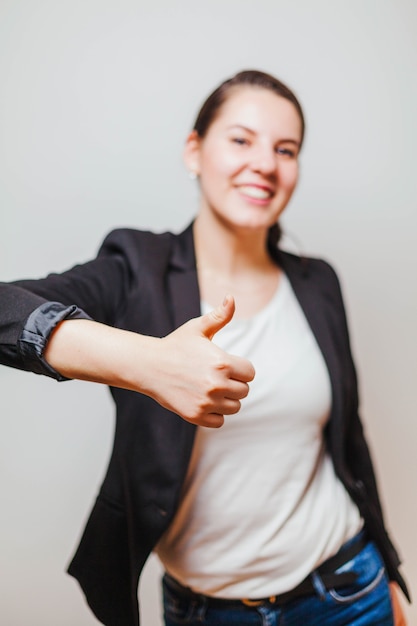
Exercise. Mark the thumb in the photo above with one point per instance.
(212, 322)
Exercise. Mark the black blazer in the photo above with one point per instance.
(148, 283)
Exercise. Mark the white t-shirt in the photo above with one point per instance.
(261, 506)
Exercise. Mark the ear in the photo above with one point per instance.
(191, 153)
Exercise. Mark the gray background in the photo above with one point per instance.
(96, 98)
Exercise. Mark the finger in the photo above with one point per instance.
(227, 406)
(216, 419)
(212, 322)
(236, 390)
(241, 369)
(212, 420)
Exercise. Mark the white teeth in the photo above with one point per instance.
(255, 192)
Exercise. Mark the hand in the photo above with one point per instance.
(185, 372)
(398, 614)
(195, 378)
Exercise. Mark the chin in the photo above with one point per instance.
(250, 227)
(248, 219)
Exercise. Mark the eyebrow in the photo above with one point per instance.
(252, 132)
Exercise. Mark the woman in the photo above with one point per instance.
(274, 516)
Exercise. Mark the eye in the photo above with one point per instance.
(240, 141)
(287, 152)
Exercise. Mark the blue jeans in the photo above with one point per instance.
(366, 602)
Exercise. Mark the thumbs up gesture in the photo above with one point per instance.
(196, 379)
(185, 372)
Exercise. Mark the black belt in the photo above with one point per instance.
(326, 572)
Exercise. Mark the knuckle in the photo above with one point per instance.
(215, 382)
(203, 406)
(215, 316)
(222, 364)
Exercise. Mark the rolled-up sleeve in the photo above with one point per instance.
(36, 332)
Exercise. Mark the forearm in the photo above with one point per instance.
(88, 350)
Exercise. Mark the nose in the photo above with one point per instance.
(264, 160)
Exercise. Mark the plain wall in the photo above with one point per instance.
(96, 98)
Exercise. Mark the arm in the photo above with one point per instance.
(183, 371)
(31, 309)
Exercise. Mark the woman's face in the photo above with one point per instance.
(247, 161)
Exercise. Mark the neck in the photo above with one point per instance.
(229, 250)
(234, 261)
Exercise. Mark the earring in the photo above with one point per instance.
(192, 175)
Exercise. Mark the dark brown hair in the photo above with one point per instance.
(249, 78)
(213, 104)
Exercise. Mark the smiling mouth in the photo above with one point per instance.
(258, 193)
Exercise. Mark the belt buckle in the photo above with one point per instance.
(253, 603)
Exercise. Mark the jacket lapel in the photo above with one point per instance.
(183, 291)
